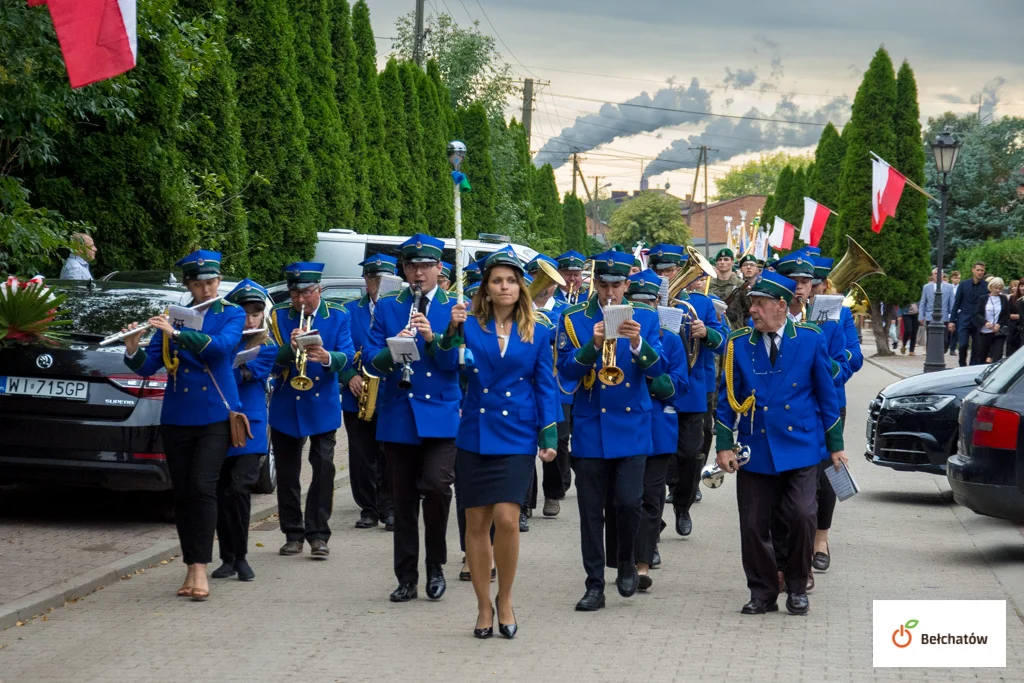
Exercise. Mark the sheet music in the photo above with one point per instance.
(311, 338)
(243, 357)
(613, 317)
(403, 350)
(826, 307)
(389, 283)
(842, 482)
(182, 317)
(663, 291)
(671, 318)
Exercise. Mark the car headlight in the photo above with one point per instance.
(931, 403)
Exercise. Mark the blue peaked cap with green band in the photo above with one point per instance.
(446, 270)
(379, 263)
(774, 286)
(506, 256)
(200, 265)
(571, 260)
(612, 266)
(248, 291)
(303, 274)
(796, 264)
(534, 264)
(662, 255)
(422, 248)
(644, 286)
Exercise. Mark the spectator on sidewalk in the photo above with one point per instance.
(951, 337)
(965, 305)
(910, 316)
(991, 318)
(1014, 328)
(76, 267)
(926, 306)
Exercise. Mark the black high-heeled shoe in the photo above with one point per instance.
(509, 630)
(489, 631)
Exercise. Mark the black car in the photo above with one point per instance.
(335, 289)
(912, 424)
(987, 472)
(74, 413)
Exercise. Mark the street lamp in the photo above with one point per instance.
(945, 149)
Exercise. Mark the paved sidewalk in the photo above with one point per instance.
(902, 538)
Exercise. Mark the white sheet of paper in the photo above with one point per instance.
(663, 291)
(243, 357)
(389, 283)
(671, 318)
(310, 339)
(185, 318)
(403, 350)
(613, 317)
(826, 307)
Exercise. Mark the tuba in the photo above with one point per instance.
(609, 373)
(300, 382)
(852, 267)
(544, 278)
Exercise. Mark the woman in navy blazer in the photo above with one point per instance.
(508, 416)
(241, 468)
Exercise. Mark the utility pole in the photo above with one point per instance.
(528, 108)
(417, 49)
(575, 171)
(703, 158)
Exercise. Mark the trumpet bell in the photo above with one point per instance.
(544, 278)
(612, 376)
(301, 383)
(712, 476)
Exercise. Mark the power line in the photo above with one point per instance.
(502, 40)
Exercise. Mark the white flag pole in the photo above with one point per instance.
(456, 154)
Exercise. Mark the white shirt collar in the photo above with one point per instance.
(550, 305)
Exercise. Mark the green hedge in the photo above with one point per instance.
(1003, 258)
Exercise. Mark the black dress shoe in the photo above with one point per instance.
(758, 606)
(627, 580)
(318, 549)
(245, 572)
(797, 603)
(591, 601)
(509, 630)
(404, 593)
(684, 525)
(291, 548)
(656, 560)
(821, 561)
(698, 497)
(367, 522)
(524, 525)
(644, 583)
(485, 632)
(669, 499)
(389, 523)
(435, 582)
(224, 571)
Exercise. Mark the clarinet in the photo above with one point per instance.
(406, 381)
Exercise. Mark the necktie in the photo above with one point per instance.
(424, 302)
(773, 354)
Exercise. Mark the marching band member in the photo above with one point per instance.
(313, 413)
(241, 468)
(369, 474)
(508, 416)
(417, 425)
(692, 407)
(195, 410)
(570, 267)
(444, 281)
(779, 386)
(612, 422)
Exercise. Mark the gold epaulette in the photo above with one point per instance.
(575, 308)
(543, 320)
(395, 293)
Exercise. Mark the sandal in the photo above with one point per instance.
(184, 592)
(200, 595)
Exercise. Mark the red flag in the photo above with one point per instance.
(97, 37)
(815, 217)
(886, 189)
(782, 234)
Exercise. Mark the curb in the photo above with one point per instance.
(880, 366)
(35, 604)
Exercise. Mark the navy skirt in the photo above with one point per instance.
(490, 479)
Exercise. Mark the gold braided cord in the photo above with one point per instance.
(170, 363)
(748, 406)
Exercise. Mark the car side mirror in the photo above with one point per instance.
(979, 379)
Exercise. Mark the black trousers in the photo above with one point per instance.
(319, 498)
(238, 476)
(652, 507)
(558, 472)
(597, 480)
(826, 495)
(968, 336)
(910, 327)
(194, 457)
(368, 471)
(990, 346)
(792, 493)
(425, 471)
(690, 459)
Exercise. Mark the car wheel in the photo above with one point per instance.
(267, 482)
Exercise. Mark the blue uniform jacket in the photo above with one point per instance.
(318, 410)
(854, 356)
(702, 374)
(191, 399)
(666, 390)
(566, 389)
(359, 312)
(582, 298)
(251, 380)
(510, 406)
(609, 421)
(796, 412)
(430, 409)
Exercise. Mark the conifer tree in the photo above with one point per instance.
(440, 207)
(408, 72)
(396, 146)
(445, 103)
(550, 227)
(828, 162)
(478, 207)
(574, 222)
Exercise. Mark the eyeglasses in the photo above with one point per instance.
(421, 266)
(304, 293)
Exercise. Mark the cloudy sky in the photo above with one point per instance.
(784, 60)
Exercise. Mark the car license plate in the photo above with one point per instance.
(73, 390)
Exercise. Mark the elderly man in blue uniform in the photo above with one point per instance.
(417, 425)
(369, 475)
(612, 421)
(570, 267)
(778, 398)
(315, 413)
(707, 333)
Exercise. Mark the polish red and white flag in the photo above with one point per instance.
(782, 234)
(815, 217)
(886, 189)
(98, 37)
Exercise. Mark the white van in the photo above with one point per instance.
(342, 250)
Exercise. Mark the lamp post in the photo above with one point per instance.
(945, 149)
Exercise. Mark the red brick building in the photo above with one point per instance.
(716, 213)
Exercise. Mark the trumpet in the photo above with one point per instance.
(713, 476)
(609, 373)
(301, 382)
(145, 326)
(406, 381)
